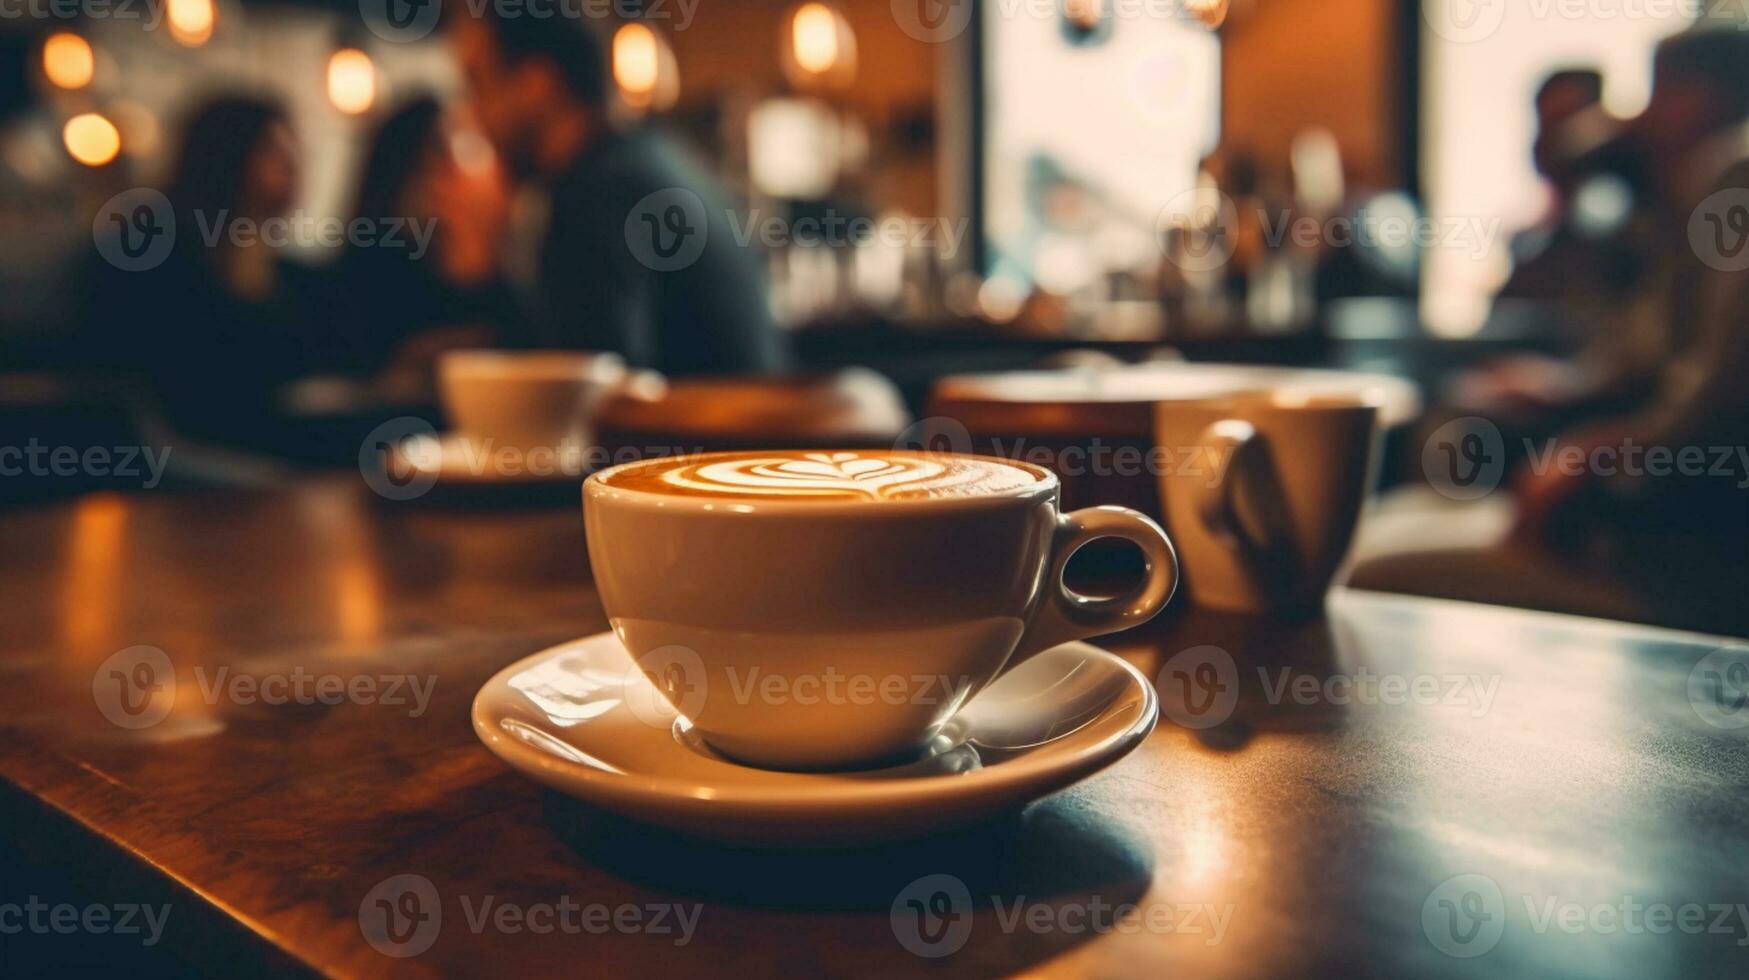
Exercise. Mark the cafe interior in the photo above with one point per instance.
(934, 487)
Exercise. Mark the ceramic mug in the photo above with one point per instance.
(828, 632)
(527, 399)
(1262, 492)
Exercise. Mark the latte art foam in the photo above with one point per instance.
(845, 475)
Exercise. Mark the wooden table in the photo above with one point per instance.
(1562, 761)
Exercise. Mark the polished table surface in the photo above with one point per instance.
(1407, 787)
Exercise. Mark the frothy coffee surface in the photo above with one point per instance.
(872, 475)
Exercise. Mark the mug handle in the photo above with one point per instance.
(1064, 615)
(1216, 503)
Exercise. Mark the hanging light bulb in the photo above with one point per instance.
(68, 61)
(191, 21)
(91, 139)
(644, 68)
(814, 32)
(352, 81)
(819, 49)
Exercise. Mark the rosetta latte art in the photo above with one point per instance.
(857, 475)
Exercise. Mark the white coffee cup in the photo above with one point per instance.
(1262, 492)
(527, 399)
(835, 633)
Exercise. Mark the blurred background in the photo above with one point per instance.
(251, 229)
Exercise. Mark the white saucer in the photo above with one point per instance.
(454, 459)
(565, 718)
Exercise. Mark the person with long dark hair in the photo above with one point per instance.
(211, 327)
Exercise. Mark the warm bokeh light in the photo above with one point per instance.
(644, 68)
(68, 61)
(191, 21)
(352, 81)
(636, 65)
(820, 50)
(95, 564)
(814, 32)
(91, 139)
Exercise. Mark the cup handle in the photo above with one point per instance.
(1063, 615)
(1240, 444)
